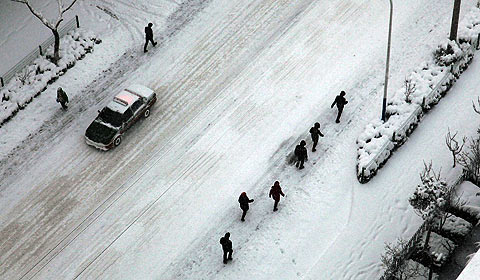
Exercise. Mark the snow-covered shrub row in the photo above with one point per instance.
(30, 82)
(423, 88)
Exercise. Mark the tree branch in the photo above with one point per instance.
(37, 14)
(61, 11)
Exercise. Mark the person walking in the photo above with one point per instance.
(62, 98)
(315, 133)
(226, 247)
(341, 102)
(301, 154)
(275, 193)
(148, 37)
(244, 201)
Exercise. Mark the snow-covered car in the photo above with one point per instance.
(125, 109)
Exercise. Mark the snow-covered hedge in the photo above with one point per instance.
(30, 82)
(423, 88)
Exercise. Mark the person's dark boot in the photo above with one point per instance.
(337, 121)
(225, 261)
(154, 44)
(275, 209)
(313, 149)
(301, 167)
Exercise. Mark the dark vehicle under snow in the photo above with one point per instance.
(125, 109)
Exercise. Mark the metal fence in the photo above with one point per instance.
(29, 58)
(404, 129)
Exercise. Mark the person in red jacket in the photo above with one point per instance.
(244, 201)
(275, 193)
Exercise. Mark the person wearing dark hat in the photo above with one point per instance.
(301, 154)
(275, 193)
(244, 201)
(148, 37)
(227, 247)
(315, 133)
(341, 102)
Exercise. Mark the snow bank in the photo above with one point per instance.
(469, 198)
(30, 82)
(423, 88)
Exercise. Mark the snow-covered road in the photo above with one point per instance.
(238, 88)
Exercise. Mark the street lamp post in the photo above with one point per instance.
(384, 108)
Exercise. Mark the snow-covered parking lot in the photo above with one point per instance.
(239, 84)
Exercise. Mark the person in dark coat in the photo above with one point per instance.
(301, 154)
(315, 133)
(62, 98)
(340, 101)
(148, 37)
(275, 193)
(244, 201)
(227, 247)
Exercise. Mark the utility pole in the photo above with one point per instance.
(455, 17)
(384, 107)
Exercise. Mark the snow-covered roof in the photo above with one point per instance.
(122, 101)
(140, 90)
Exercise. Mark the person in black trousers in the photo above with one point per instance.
(275, 193)
(244, 201)
(148, 37)
(341, 102)
(301, 154)
(315, 133)
(227, 247)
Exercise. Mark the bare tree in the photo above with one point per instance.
(394, 260)
(470, 161)
(454, 146)
(25, 75)
(477, 110)
(52, 25)
(409, 90)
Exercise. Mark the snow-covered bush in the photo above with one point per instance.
(430, 198)
(31, 81)
(406, 107)
(455, 228)
(468, 195)
(439, 250)
(447, 53)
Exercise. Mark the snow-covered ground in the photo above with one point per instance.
(239, 84)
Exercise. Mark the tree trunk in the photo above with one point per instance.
(56, 46)
(430, 272)
(427, 238)
(455, 17)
